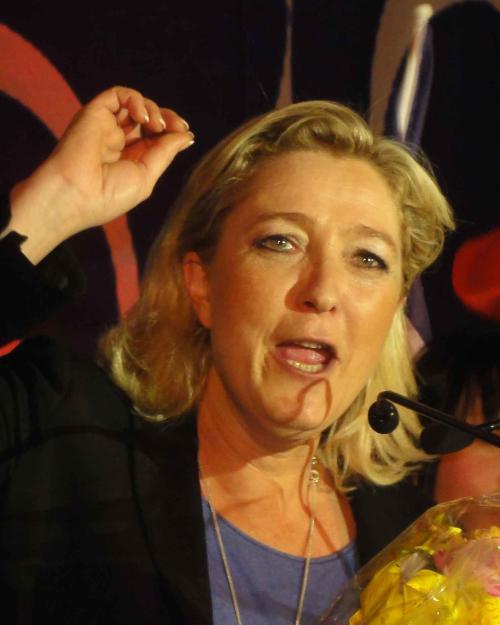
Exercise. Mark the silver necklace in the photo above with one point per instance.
(311, 491)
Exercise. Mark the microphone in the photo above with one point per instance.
(440, 439)
(383, 416)
(449, 435)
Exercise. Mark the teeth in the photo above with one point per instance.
(304, 367)
(311, 345)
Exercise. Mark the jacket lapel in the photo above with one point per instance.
(169, 506)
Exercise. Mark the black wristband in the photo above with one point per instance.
(4, 210)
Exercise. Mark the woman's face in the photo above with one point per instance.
(300, 295)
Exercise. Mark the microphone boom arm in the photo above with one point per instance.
(441, 417)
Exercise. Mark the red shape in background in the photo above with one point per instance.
(27, 76)
(476, 274)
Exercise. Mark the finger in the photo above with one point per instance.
(114, 145)
(173, 121)
(130, 108)
(118, 98)
(161, 120)
(132, 132)
(136, 107)
(123, 118)
(162, 151)
(156, 122)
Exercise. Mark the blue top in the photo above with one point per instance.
(268, 581)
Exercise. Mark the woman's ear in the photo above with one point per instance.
(197, 286)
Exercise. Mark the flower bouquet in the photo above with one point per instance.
(444, 569)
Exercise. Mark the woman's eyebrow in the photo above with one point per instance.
(297, 217)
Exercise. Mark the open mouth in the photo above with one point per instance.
(306, 355)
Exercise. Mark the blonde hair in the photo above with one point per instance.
(160, 354)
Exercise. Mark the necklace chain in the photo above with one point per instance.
(312, 489)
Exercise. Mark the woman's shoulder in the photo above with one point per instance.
(49, 362)
(44, 353)
(44, 380)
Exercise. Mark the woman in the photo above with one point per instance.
(270, 316)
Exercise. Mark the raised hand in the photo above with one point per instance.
(107, 161)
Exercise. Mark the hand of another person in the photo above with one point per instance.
(108, 160)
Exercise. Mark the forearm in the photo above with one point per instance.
(37, 213)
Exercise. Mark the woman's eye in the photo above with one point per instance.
(370, 260)
(276, 243)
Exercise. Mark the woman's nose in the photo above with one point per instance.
(321, 287)
(320, 302)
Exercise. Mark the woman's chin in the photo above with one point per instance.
(305, 421)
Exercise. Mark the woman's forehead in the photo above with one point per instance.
(307, 167)
(312, 182)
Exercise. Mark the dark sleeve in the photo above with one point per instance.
(31, 293)
(34, 380)
(382, 513)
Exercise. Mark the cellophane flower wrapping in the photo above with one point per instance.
(444, 569)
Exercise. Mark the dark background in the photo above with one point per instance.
(220, 62)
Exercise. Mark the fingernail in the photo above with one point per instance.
(146, 118)
(185, 123)
(162, 123)
(190, 142)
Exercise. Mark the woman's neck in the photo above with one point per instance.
(259, 481)
(264, 491)
(232, 454)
